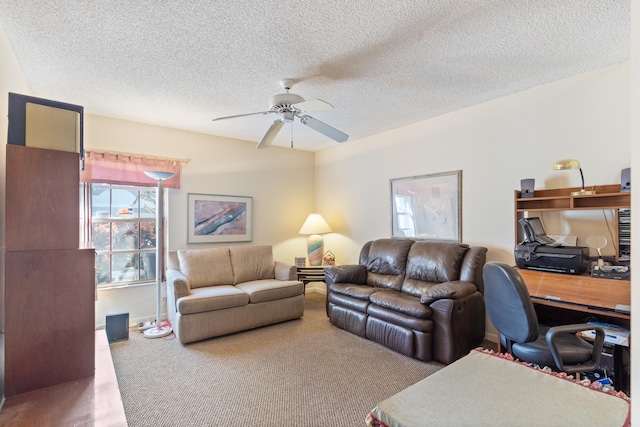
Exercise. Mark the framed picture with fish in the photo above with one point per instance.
(214, 218)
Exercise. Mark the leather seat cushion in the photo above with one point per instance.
(355, 291)
(401, 302)
(573, 350)
(348, 302)
(406, 321)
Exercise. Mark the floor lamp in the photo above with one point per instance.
(159, 330)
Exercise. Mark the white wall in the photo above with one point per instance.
(495, 144)
(279, 180)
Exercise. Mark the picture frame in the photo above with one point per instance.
(427, 207)
(213, 218)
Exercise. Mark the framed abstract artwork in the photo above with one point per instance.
(216, 218)
(427, 207)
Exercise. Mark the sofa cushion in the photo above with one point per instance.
(386, 262)
(401, 302)
(206, 267)
(435, 262)
(212, 298)
(270, 289)
(252, 263)
(355, 291)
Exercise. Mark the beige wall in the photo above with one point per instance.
(495, 144)
(279, 180)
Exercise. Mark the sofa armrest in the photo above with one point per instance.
(356, 274)
(448, 290)
(284, 271)
(178, 283)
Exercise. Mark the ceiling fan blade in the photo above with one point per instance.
(241, 115)
(324, 128)
(313, 105)
(271, 134)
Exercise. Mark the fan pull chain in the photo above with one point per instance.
(292, 134)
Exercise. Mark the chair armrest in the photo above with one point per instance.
(284, 271)
(356, 274)
(178, 283)
(555, 331)
(455, 289)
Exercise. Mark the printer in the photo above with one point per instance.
(556, 259)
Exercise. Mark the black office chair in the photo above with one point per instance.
(511, 312)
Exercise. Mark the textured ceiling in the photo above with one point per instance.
(381, 64)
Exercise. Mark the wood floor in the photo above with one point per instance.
(92, 401)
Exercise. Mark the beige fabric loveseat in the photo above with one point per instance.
(213, 292)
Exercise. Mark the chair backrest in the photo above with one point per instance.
(508, 303)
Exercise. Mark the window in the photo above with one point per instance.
(122, 229)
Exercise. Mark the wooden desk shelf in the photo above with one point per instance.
(560, 199)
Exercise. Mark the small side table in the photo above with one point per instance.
(310, 274)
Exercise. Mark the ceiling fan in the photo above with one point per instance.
(288, 106)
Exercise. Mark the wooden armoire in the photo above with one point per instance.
(49, 278)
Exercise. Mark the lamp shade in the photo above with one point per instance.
(573, 164)
(566, 164)
(315, 224)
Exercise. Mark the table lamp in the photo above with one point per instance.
(159, 330)
(573, 164)
(314, 226)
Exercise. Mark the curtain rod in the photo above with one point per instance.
(117, 153)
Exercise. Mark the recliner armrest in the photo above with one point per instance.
(556, 331)
(284, 271)
(356, 274)
(448, 290)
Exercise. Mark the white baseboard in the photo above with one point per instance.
(319, 287)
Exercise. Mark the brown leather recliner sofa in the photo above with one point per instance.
(420, 298)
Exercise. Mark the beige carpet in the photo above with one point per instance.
(303, 372)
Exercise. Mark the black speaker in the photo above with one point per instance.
(625, 180)
(117, 327)
(526, 187)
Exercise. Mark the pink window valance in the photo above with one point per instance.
(128, 169)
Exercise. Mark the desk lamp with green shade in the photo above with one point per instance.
(314, 226)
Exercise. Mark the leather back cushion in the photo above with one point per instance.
(206, 267)
(386, 262)
(435, 262)
(252, 263)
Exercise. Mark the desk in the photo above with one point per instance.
(578, 297)
(586, 294)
